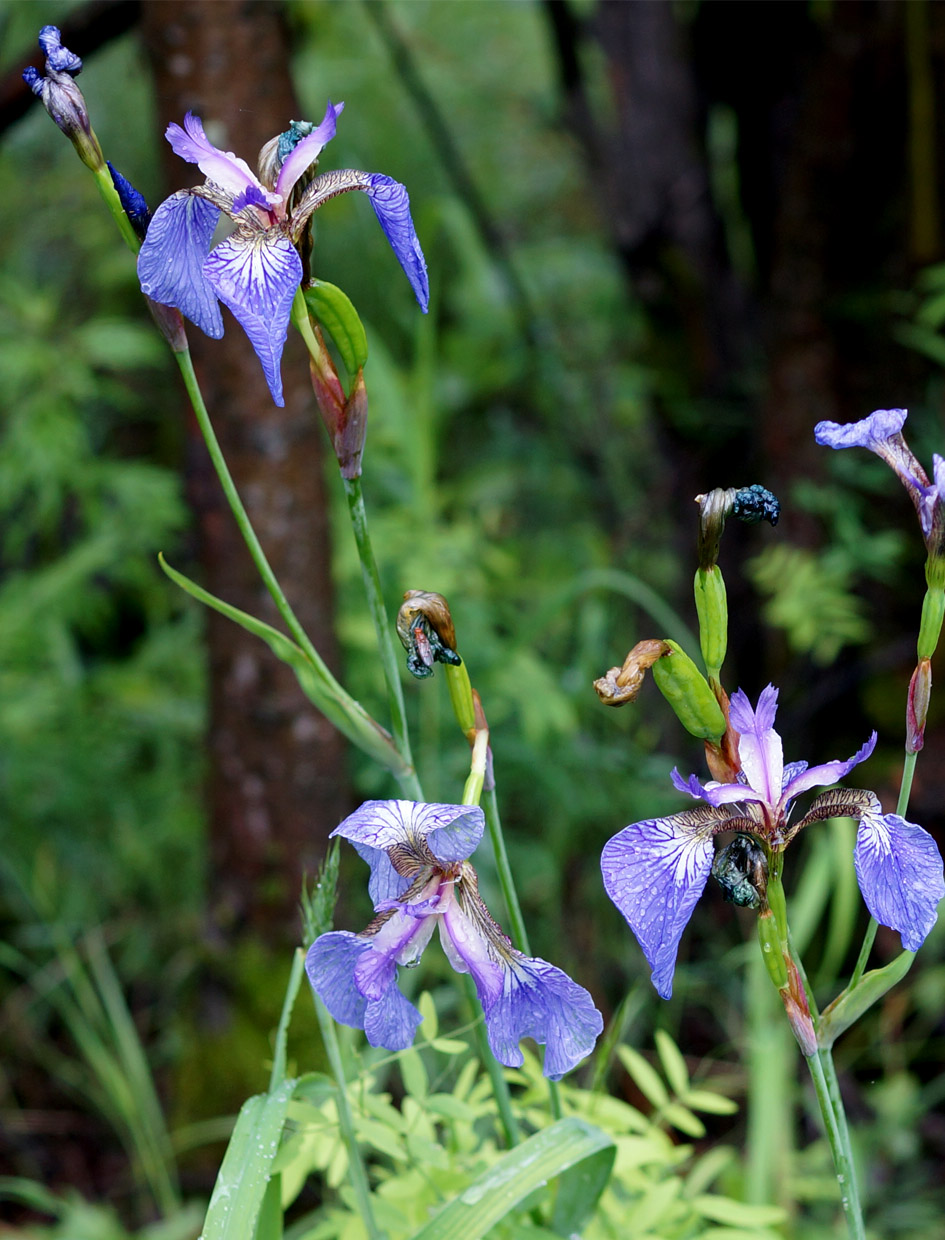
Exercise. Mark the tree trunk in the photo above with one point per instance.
(275, 787)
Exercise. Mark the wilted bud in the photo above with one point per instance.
(170, 324)
(797, 1010)
(917, 706)
(741, 870)
(62, 99)
(749, 504)
(425, 628)
(132, 202)
(622, 684)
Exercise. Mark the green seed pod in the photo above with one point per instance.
(712, 610)
(687, 691)
(771, 951)
(930, 626)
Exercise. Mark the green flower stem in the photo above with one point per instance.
(477, 769)
(517, 932)
(277, 1075)
(824, 1076)
(352, 709)
(356, 1170)
(382, 629)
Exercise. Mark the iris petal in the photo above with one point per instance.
(870, 432)
(257, 277)
(899, 869)
(540, 1001)
(223, 168)
(655, 871)
(306, 152)
(391, 204)
(759, 746)
(826, 773)
(172, 257)
(451, 832)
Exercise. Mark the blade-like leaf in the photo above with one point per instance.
(337, 315)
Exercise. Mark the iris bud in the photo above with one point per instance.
(712, 610)
(917, 707)
(689, 694)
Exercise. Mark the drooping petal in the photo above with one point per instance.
(451, 832)
(389, 1020)
(256, 275)
(759, 746)
(222, 167)
(826, 773)
(172, 257)
(307, 151)
(899, 869)
(655, 871)
(58, 57)
(871, 432)
(540, 1001)
(391, 204)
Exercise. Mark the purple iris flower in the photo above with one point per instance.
(420, 881)
(881, 433)
(656, 870)
(257, 270)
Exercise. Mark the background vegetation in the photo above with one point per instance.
(606, 338)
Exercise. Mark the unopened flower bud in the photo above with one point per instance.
(712, 610)
(622, 684)
(133, 203)
(425, 628)
(930, 623)
(688, 692)
(917, 706)
(62, 99)
(771, 950)
(749, 504)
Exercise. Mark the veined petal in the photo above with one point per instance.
(307, 151)
(389, 1020)
(172, 257)
(759, 746)
(451, 832)
(540, 1001)
(384, 882)
(899, 869)
(391, 204)
(827, 773)
(222, 167)
(257, 275)
(655, 871)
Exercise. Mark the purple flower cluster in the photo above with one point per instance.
(656, 870)
(421, 881)
(257, 270)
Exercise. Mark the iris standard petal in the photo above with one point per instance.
(257, 275)
(655, 871)
(540, 1001)
(223, 168)
(826, 773)
(759, 746)
(172, 257)
(306, 152)
(391, 204)
(869, 432)
(384, 882)
(899, 869)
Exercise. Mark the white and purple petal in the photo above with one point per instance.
(172, 257)
(391, 205)
(223, 168)
(257, 275)
(759, 746)
(540, 1001)
(306, 152)
(899, 869)
(452, 832)
(655, 871)
(825, 774)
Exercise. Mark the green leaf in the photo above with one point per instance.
(683, 1119)
(241, 1184)
(851, 1004)
(336, 313)
(645, 1077)
(552, 1152)
(737, 1213)
(673, 1063)
(711, 1103)
(414, 1074)
(427, 1009)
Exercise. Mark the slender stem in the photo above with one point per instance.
(356, 1169)
(277, 1075)
(382, 628)
(517, 931)
(824, 1076)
